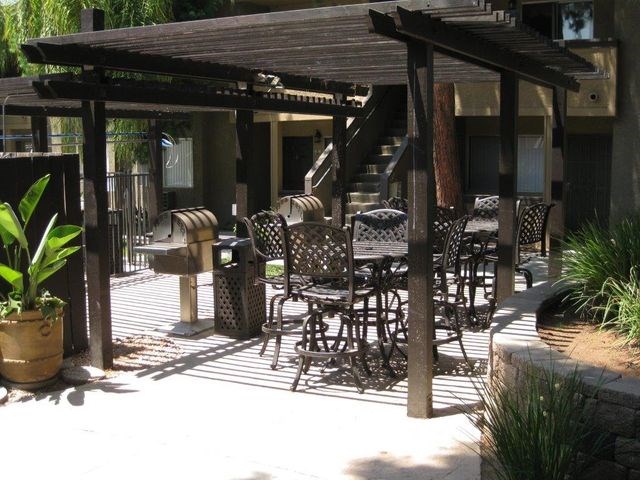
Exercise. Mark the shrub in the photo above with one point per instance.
(597, 260)
(622, 309)
(536, 430)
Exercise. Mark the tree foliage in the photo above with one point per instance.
(44, 18)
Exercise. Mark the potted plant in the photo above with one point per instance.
(31, 320)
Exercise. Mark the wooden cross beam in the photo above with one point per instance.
(122, 60)
(152, 93)
(452, 41)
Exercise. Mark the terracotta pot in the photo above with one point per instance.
(30, 348)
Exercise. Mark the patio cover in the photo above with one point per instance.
(327, 49)
(336, 50)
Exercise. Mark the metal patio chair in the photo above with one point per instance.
(265, 231)
(486, 207)
(321, 256)
(385, 225)
(397, 203)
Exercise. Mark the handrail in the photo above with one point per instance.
(316, 179)
(391, 167)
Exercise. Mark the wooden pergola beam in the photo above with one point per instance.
(122, 60)
(339, 178)
(422, 205)
(76, 112)
(140, 92)
(558, 191)
(96, 217)
(475, 49)
(507, 185)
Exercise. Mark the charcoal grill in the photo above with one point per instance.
(182, 244)
(301, 208)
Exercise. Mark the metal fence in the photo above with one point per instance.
(128, 220)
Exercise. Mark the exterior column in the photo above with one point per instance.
(39, 137)
(507, 185)
(155, 170)
(244, 160)
(338, 171)
(95, 214)
(422, 200)
(558, 191)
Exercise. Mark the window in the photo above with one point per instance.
(530, 164)
(482, 167)
(564, 20)
(576, 20)
(177, 164)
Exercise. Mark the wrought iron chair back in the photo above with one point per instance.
(316, 252)
(453, 243)
(397, 203)
(264, 230)
(382, 225)
(486, 207)
(532, 226)
(441, 225)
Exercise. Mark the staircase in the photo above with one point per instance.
(363, 194)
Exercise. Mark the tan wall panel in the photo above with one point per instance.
(597, 98)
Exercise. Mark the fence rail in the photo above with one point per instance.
(128, 220)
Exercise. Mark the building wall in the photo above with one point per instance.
(625, 168)
(596, 98)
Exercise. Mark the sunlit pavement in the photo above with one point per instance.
(219, 411)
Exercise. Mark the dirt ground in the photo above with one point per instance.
(129, 354)
(585, 341)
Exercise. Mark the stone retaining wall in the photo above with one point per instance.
(515, 344)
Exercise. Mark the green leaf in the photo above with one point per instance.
(30, 199)
(13, 277)
(7, 238)
(10, 223)
(46, 272)
(40, 252)
(62, 235)
(59, 255)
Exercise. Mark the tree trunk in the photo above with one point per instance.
(447, 165)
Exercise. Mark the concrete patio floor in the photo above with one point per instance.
(219, 411)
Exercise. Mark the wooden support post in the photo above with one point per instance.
(422, 199)
(95, 214)
(155, 170)
(507, 184)
(558, 190)
(39, 137)
(245, 204)
(339, 169)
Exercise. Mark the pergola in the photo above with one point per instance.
(334, 50)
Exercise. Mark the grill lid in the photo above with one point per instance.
(301, 208)
(186, 225)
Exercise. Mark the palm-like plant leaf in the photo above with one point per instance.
(30, 200)
(11, 225)
(12, 276)
(40, 252)
(46, 272)
(61, 235)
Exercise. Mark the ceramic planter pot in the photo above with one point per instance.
(31, 349)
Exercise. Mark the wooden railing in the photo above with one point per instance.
(362, 135)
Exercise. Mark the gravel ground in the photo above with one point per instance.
(129, 354)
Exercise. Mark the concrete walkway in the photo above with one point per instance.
(220, 412)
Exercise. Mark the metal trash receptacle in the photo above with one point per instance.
(239, 302)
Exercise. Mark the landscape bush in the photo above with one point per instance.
(603, 268)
